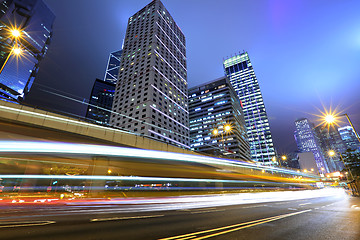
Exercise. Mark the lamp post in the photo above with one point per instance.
(15, 34)
(226, 129)
(333, 153)
(331, 119)
(15, 51)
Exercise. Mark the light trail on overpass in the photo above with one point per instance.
(59, 167)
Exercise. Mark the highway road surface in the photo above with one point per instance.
(321, 214)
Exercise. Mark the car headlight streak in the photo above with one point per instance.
(87, 149)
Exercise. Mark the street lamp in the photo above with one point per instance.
(332, 153)
(16, 34)
(227, 129)
(16, 51)
(331, 119)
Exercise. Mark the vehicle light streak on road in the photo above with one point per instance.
(84, 149)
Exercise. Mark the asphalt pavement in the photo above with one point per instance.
(334, 216)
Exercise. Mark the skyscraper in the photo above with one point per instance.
(113, 66)
(100, 102)
(308, 141)
(212, 106)
(349, 137)
(33, 20)
(241, 74)
(330, 140)
(151, 93)
(102, 93)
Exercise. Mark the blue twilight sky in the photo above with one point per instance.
(306, 53)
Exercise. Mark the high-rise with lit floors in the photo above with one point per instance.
(151, 94)
(21, 51)
(217, 124)
(241, 74)
(348, 136)
(307, 140)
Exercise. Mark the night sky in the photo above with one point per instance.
(305, 53)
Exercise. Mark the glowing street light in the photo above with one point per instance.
(332, 118)
(283, 157)
(332, 153)
(227, 129)
(16, 51)
(329, 119)
(15, 33)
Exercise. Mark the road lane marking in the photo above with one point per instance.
(302, 204)
(233, 228)
(207, 211)
(292, 209)
(123, 218)
(255, 206)
(24, 224)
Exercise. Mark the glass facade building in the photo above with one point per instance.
(100, 103)
(102, 94)
(211, 107)
(241, 74)
(349, 138)
(34, 20)
(151, 95)
(113, 66)
(330, 139)
(307, 140)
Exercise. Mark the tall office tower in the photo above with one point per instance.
(308, 141)
(102, 94)
(329, 139)
(242, 77)
(151, 94)
(212, 106)
(100, 102)
(112, 71)
(33, 20)
(349, 137)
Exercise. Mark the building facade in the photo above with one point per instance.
(113, 66)
(349, 138)
(307, 141)
(151, 96)
(212, 106)
(241, 74)
(34, 20)
(330, 140)
(102, 93)
(100, 102)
